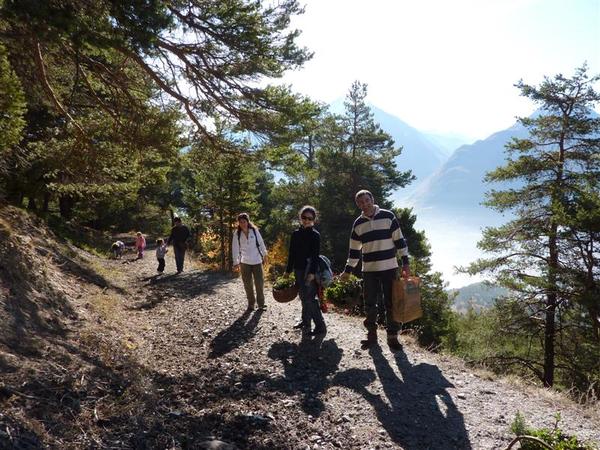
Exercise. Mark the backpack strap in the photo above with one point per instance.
(257, 246)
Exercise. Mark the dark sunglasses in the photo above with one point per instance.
(307, 218)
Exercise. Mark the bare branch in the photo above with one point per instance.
(46, 84)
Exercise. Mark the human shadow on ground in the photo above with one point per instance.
(234, 336)
(417, 411)
(307, 367)
(182, 286)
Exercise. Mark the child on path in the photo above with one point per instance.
(140, 244)
(161, 251)
(117, 249)
(249, 252)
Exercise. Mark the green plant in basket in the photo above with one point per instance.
(284, 281)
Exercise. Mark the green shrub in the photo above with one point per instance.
(345, 294)
(554, 438)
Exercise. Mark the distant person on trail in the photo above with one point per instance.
(303, 259)
(249, 253)
(161, 251)
(117, 249)
(376, 234)
(140, 244)
(179, 237)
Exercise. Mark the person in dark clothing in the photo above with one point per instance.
(303, 259)
(179, 237)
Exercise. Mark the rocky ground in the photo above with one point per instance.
(137, 360)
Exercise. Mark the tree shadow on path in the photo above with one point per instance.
(238, 333)
(183, 286)
(307, 367)
(418, 413)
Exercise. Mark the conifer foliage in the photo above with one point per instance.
(547, 255)
(206, 56)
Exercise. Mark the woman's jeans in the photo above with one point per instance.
(311, 309)
(255, 271)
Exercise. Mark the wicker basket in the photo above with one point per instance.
(285, 295)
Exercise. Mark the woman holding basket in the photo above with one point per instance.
(303, 259)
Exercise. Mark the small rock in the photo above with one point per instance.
(462, 396)
(215, 444)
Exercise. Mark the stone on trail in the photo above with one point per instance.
(215, 444)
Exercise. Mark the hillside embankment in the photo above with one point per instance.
(99, 353)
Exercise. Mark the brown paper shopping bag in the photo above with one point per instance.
(406, 299)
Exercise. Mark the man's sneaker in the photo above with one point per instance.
(393, 343)
(370, 340)
(262, 307)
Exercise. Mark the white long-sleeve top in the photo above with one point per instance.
(245, 249)
(161, 250)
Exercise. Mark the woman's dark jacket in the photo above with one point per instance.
(305, 244)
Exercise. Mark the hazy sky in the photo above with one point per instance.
(445, 66)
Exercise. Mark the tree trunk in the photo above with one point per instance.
(311, 152)
(65, 205)
(222, 238)
(230, 222)
(46, 204)
(31, 204)
(549, 331)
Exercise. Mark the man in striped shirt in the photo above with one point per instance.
(376, 234)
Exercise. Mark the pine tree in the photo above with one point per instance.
(12, 110)
(224, 183)
(206, 56)
(547, 254)
(355, 153)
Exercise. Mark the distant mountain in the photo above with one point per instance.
(477, 296)
(457, 187)
(419, 153)
(447, 143)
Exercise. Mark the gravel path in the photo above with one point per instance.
(248, 379)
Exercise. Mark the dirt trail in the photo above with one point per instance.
(216, 372)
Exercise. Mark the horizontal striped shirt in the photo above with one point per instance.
(378, 238)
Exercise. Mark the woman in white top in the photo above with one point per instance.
(248, 252)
